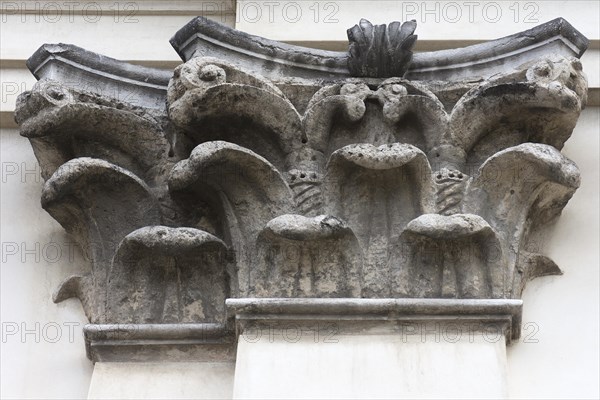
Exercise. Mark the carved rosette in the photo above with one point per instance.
(245, 186)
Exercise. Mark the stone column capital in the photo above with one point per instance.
(263, 181)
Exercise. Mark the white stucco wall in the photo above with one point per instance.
(558, 355)
(371, 365)
(43, 353)
(303, 21)
(167, 380)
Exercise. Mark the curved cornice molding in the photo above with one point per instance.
(201, 37)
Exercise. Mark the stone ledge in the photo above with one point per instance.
(159, 342)
(369, 313)
(217, 342)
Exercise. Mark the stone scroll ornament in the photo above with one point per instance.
(247, 179)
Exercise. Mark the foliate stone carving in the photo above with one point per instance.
(250, 186)
(381, 51)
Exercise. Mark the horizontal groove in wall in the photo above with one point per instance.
(12, 64)
(593, 97)
(7, 120)
(162, 64)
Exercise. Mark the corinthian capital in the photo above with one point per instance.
(257, 169)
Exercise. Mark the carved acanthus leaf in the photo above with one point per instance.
(213, 101)
(168, 275)
(99, 204)
(307, 257)
(251, 192)
(377, 191)
(526, 185)
(450, 256)
(347, 101)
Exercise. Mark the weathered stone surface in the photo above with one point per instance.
(260, 182)
(159, 342)
(168, 275)
(63, 123)
(306, 257)
(77, 68)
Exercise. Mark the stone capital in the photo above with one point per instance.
(259, 181)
